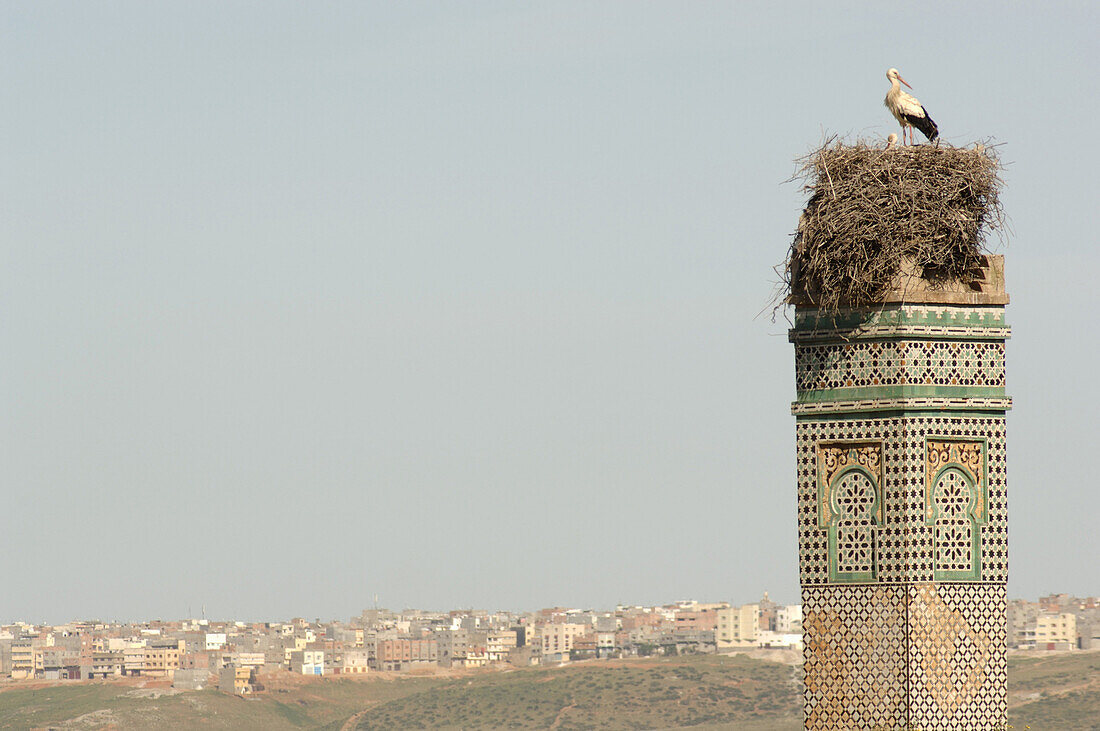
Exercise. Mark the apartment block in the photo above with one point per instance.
(161, 658)
(403, 654)
(557, 640)
(22, 659)
(498, 643)
(737, 627)
(1056, 631)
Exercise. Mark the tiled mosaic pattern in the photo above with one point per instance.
(900, 363)
(955, 534)
(903, 403)
(851, 508)
(955, 506)
(901, 483)
(958, 666)
(904, 543)
(988, 320)
(905, 656)
(854, 657)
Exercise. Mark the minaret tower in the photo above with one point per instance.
(902, 510)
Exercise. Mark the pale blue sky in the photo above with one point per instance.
(457, 303)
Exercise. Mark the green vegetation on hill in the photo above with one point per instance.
(1054, 691)
(681, 692)
(701, 692)
(102, 705)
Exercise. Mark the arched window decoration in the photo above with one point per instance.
(955, 505)
(854, 503)
(955, 529)
(850, 476)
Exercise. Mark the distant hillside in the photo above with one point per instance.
(712, 691)
(1055, 692)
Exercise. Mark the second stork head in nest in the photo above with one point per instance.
(907, 110)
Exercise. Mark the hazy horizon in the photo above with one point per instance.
(468, 304)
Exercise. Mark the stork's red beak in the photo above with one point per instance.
(903, 81)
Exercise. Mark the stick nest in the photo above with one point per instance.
(871, 208)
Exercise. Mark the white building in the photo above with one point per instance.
(779, 640)
(245, 659)
(788, 619)
(307, 662)
(352, 661)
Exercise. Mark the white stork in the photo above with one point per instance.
(891, 140)
(907, 110)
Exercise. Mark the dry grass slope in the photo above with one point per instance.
(1055, 691)
(715, 692)
(1047, 692)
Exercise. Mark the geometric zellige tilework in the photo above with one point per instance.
(902, 519)
(955, 502)
(904, 656)
(900, 363)
(855, 495)
(854, 660)
(813, 437)
(957, 657)
(954, 537)
(850, 477)
(904, 542)
(931, 320)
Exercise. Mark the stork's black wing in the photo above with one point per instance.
(924, 124)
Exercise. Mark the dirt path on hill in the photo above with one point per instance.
(557, 718)
(353, 721)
